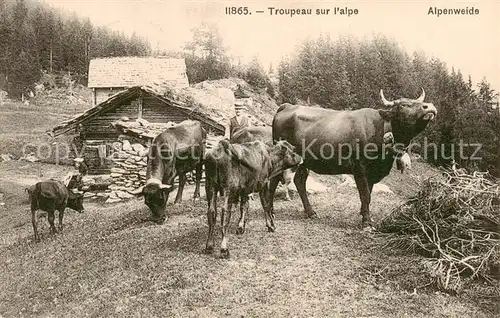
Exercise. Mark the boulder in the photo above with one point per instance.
(312, 186)
(118, 170)
(88, 195)
(381, 188)
(142, 122)
(113, 200)
(117, 146)
(138, 148)
(123, 195)
(126, 146)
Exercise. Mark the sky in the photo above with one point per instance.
(470, 43)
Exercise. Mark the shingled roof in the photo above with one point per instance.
(192, 109)
(137, 71)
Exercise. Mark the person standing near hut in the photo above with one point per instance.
(239, 121)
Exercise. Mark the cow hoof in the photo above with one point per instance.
(224, 254)
(240, 230)
(271, 229)
(208, 250)
(312, 215)
(158, 221)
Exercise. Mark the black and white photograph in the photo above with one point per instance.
(216, 158)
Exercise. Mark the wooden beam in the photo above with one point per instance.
(139, 115)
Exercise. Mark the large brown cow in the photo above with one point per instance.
(235, 171)
(350, 142)
(177, 150)
(265, 134)
(49, 196)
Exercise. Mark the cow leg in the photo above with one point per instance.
(196, 194)
(34, 221)
(211, 216)
(285, 181)
(225, 222)
(287, 193)
(273, 185)
(182, 182)
(265, 200)
(243, 214)
(300, 182)
(51, 218)
(61, 215)
(364, 190)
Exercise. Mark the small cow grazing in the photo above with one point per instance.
(49, 196)
(176, 151)
(265, 134)
(235, 171)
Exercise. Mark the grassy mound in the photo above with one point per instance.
(455, 223)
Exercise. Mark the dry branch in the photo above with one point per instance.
(455, 222)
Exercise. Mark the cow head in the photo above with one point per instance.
(155, 197)
(75, 201)
(408, 116)
(284, 157)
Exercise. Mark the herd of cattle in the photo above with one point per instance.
(257, 159)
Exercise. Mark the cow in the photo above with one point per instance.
(323, 137)
(237, 170)
(49, 196)
(265, 134)
(176, 151)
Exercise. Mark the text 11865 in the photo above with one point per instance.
(237, 10)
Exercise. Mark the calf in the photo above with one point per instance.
(49, 196)
(265, 134)
(237, 170)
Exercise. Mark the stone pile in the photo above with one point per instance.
(129, 171)
(127, 175)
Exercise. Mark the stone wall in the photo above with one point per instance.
(127, 175)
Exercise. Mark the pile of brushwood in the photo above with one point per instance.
(454, 222)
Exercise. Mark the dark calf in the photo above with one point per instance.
(49, 196)
(237, 170)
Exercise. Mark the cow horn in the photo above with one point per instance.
(165, 186)
(422, 96)
(385, 101)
